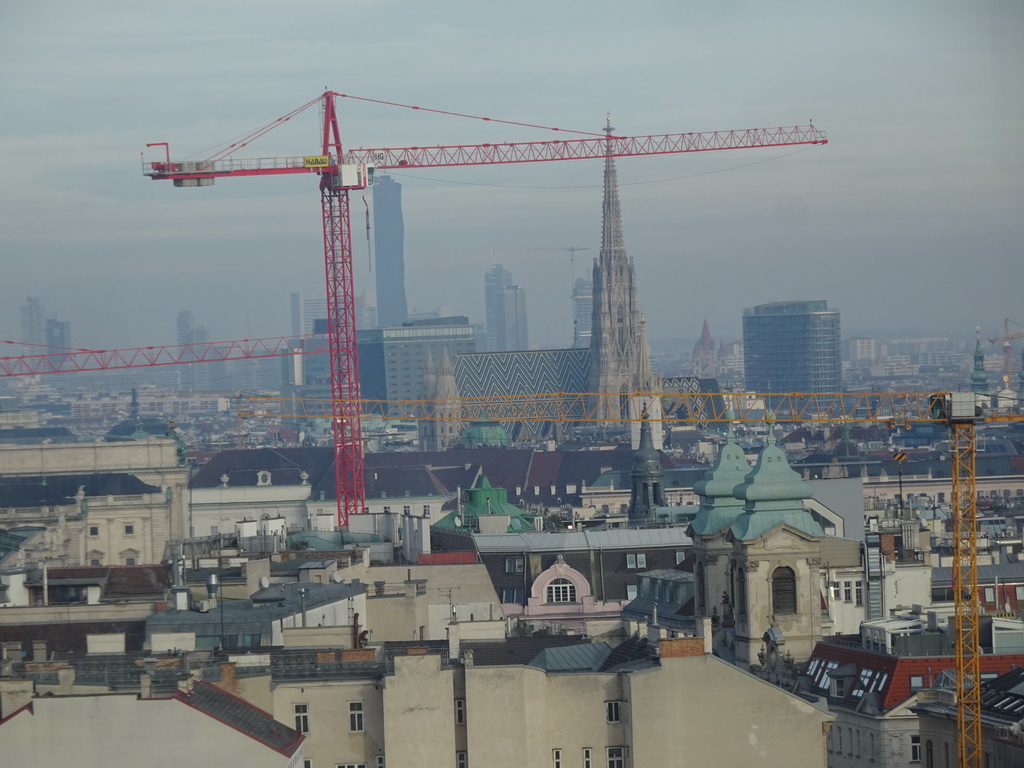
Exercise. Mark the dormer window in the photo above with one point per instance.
(263, 477)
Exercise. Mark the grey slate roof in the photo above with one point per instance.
(616, 538)
(242, 716)
(987, 574)
(583, 657)
(57, 490)
(515, 650)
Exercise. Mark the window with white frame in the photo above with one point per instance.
(858, 593)
(301, 712)
(639, 560)
(915, 748)
(561, 591)
(556, 758)
(460, 711)
(613, 711)
(588, 759)
(835, 591)
(848, 591)
(355, 716)
(616, 757)
(631, 591)
(380, 761)
(514, 564)
(1019, 591)
(990, 594)
(461, 760)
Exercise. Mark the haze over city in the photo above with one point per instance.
(908, 219)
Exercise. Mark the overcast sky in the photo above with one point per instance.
(911, 219)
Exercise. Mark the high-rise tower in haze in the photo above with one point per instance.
(194, 377)
(582, 312)
(620, 359)
(33, 325)
(512, 332)
(389, 252)
(497, 308)
(792, 346)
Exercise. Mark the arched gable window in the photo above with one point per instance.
(561, 591)
(784, 590)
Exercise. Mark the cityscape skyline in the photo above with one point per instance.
(905, 193)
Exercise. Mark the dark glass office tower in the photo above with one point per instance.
(389, 252)
(792, 346)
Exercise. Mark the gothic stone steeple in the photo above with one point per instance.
(620, 361)
(440, 433)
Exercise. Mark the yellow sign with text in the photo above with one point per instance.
(316, 161)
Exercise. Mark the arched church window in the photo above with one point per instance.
(784, 590)
(561, 591)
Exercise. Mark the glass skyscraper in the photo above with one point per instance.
(792, 346)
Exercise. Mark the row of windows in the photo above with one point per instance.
(129, 530)
(406, 509)
(852, 592)
(637, 561)
(615, 757)
(355, 716)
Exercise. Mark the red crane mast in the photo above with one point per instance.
(341, 171)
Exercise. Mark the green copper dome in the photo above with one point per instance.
(774, 495)
(718, 506)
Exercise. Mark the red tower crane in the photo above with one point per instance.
(341, 171)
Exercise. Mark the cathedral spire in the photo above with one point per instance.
(620, 360)
(612, 243)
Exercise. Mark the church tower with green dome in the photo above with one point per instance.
(775, 563)
(718, 511)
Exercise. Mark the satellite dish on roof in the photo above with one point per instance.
(336, 577)
(458, 521)
(264, 582)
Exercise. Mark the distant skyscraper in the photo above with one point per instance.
(512, 331)
(305, 312)
(620, 359)
(58, 333)
(495, 280)
(194, 377)
(582, 312)
(389, 251)
(792, 346)
(33, 325)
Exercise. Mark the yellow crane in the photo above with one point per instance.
(959, 411)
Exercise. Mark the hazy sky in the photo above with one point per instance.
(912, 217)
